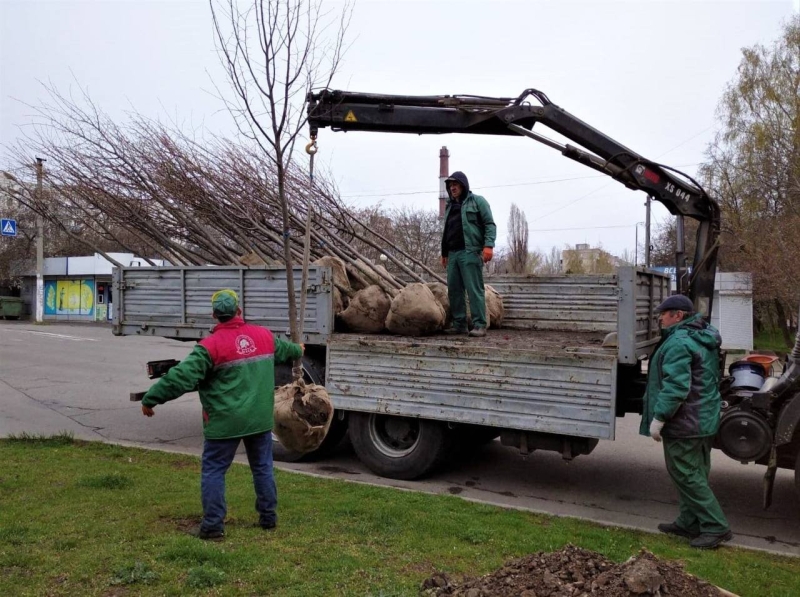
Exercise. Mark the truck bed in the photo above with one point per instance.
(545, 381)
(505, 339)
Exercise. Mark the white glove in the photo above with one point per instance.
(655, 429)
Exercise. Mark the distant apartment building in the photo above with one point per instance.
(584, 259)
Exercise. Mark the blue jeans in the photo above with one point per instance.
(217, 458)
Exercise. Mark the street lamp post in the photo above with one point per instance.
(636, 247)
(39, 245)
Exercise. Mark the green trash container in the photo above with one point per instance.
(11, 307)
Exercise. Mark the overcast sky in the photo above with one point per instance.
(649, 74)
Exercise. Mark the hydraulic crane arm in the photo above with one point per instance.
(349, 111)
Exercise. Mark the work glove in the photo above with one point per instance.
(488, 252)
(655, 429)
(444, 261)
(148, 411)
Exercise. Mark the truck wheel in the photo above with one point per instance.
(336, 433)
(797, 476)
(398, 447)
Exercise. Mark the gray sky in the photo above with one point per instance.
(649, 74)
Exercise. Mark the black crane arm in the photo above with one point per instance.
(350, 111)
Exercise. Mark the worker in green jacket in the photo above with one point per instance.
(467, 243)
(233, 370)
(682, 408)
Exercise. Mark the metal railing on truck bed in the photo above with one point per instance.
(175, 302)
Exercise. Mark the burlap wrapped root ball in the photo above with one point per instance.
(367, 311)
(495, 311)
(341, 283)
(415, 312)
(303, 415)
(439, 291)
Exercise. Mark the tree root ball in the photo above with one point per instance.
(303, 415)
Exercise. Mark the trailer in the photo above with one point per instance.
(564, 366)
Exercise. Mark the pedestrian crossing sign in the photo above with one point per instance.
(8, 227)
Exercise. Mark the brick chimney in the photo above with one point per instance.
(444, 172)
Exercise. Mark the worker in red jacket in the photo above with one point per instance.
(233, 370)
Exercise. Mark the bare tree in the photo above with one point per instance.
(518, 239)
(551, 263)
(535, 262)
(274, 53)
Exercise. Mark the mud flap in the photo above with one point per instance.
(769, 477)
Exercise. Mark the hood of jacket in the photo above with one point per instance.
(698, 329)
(459, 177)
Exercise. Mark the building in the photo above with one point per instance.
(584, 259)
(78, 288)
(732, 312)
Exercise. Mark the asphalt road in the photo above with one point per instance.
(78, 378)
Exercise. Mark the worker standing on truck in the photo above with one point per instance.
(467, 243)
(233, 369)
(681, 408)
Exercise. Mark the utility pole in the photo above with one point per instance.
(647, 233)
(39, 245)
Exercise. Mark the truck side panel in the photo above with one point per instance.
(640, 292)
(575, 303)
(569, 393)
(176, 301)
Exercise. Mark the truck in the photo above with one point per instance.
(567, 362)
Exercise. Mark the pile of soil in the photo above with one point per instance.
(576, 572)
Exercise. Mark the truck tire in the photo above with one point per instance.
(797, 477)
(398, 447)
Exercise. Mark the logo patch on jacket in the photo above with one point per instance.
(245, 345)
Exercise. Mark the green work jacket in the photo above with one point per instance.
(683, 381)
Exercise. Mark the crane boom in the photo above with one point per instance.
(682, 196)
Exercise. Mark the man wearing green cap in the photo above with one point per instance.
(681, 408)
(233, 370)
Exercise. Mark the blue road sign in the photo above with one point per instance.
(8, 227)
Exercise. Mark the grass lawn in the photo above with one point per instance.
(93, 519)
(771, 340)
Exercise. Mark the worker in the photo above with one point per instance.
(467, 243)
(233, 370)
(681, 409)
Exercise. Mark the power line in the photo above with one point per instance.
(497, 186)
(581, 228)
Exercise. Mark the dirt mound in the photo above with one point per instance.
(575, 572)
(367, 311)
(303, 415)
(415, 312)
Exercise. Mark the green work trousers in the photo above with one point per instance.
(465, 274)
(688, 464)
